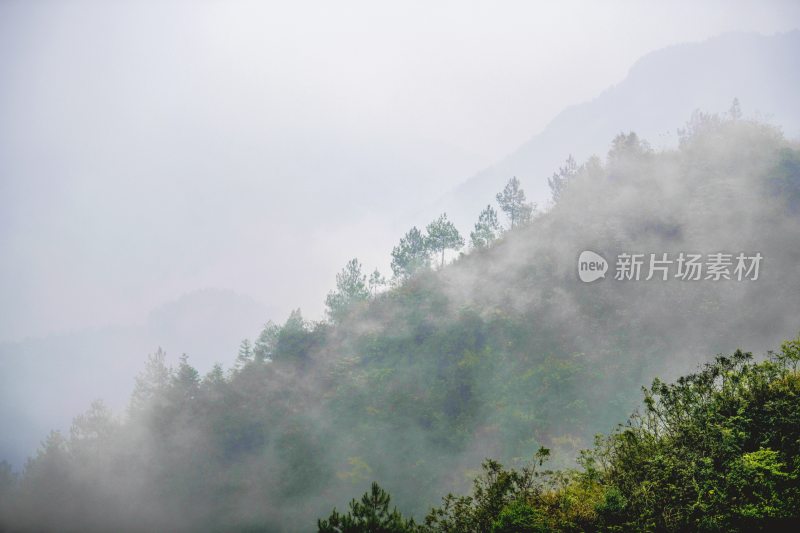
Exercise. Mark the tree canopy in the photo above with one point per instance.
(411, 255)
(487, 229)
(715, 451)
(513, 203)
(442, 235)
(351, 288)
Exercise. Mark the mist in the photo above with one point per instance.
(153, 149)
(178, 177)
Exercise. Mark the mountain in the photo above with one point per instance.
(497, 354)
(659, 93)
(101, 363)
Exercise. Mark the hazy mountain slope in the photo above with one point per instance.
(101, 363)
(659, 93)
(495, 355)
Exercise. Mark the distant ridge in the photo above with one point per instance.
(656, 98)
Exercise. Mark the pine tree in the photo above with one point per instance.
(370, 515)
(487, 229)
(351, 288)
(411, 255)
(442, 235)
(153, 383)
(185, 381)
(215, 377)
(266, 341)
(295, 339)
(513, 203)
(561, 178)
(376, 282)
(245, 354)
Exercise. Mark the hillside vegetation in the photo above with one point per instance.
(718, 450)
(500, 353)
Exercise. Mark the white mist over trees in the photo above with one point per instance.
(176, 141)
(106, 223)
(560, 179)
(182, 180)
(497, 354)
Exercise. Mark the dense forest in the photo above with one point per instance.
(719, 450)
(500, 352)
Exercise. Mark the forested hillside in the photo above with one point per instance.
(715, 451)
(497, 354)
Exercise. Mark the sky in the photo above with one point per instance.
(150, 149)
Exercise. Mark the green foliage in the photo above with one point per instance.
(497, 501)
(376, 282)
(351, 289)
(487, 229)
(245, 353)
(513, 203)
(411, 255)
(714, 451)
(520, 517)
(370, 515)
(297, 339)
(717, 450)
(442, 235)
(266, 342)
(186, 379)
(496, 355)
